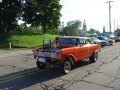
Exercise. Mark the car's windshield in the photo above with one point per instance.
(103, 38)
(94, 39)
(70, 41)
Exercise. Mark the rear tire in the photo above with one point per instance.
(94, 57)
(40, 65)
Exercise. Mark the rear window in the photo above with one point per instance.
(69, 41)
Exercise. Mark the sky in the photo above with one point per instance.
(94, 12)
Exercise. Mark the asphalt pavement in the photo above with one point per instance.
(19, 72)
(8, 53)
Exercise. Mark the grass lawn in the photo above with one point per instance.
(29, 41)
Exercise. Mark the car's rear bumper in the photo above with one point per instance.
(49, 60)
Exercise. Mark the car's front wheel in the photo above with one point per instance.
(67, 66)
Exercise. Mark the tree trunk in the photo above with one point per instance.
(44, 29)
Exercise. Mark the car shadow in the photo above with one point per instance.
(82, 63)
(29, 77)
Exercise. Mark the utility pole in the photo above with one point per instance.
(117, 23)
(114, 25)
(109, 15)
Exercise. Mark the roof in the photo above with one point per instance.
(72, 37)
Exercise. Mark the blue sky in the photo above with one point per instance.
(95, 12)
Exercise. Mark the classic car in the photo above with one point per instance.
(66, 51)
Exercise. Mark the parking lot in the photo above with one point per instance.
(18, 71)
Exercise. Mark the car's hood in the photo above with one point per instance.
(102, 40)
(110, 39)
(99, 41)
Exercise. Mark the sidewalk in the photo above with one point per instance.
(7, 53)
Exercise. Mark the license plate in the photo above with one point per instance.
(43, 60)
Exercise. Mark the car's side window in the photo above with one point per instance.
(88, 41)
(81, 41)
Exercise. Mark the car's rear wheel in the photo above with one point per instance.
(94, 57)
(41, 65)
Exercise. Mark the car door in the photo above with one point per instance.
(89, 45)
(83, 49)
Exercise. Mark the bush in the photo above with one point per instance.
(53, 31)
(28, 30)
(29, 37)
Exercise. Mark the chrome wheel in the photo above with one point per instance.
(67, 67)
(94, 57)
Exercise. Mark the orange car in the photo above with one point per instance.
(66, 50)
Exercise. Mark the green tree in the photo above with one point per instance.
(45, 13)
(72, 28)
(93, 31)
(42, 12)
(9, 11)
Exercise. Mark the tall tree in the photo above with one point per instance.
(9, 11)
(42, 12)
(72, 28)
(45, 13)
(93, 31)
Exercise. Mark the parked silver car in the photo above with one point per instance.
(108, 40)
(98, 41)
